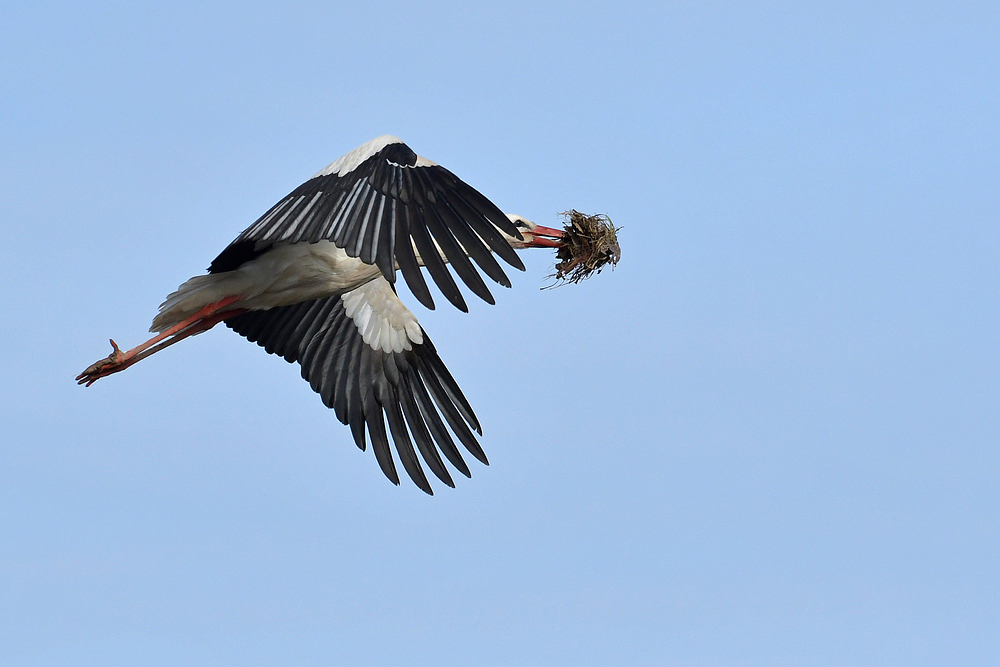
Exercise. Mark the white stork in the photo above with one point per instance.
(312, 280)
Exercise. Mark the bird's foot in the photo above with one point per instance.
(112, 364)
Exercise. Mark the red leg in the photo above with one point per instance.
(203, 320)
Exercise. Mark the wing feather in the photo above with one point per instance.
(396, 379)
(380, 201)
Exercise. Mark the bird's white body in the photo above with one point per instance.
(283, 276)
(286, 275)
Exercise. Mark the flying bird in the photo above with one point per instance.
(313, 281)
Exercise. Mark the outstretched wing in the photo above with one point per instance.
(388, 206)
(369, 359)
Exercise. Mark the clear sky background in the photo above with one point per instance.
(769, 437)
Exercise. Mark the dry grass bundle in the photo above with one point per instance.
(589, 243)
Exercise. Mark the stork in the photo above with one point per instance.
(313, 281)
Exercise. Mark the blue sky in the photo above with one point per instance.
(769, 437)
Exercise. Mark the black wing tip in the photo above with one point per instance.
(458, 301)
(478, 453)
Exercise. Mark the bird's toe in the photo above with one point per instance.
(105, 366)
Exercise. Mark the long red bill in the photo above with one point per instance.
(546, 237)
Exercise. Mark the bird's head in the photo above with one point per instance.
(532, 235)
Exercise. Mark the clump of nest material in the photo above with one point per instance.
(589, 243)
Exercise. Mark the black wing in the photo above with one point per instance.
(380, 202)
(366, 386)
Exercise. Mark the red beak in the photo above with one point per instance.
(545, 237)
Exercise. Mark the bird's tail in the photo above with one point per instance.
(189, 298)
